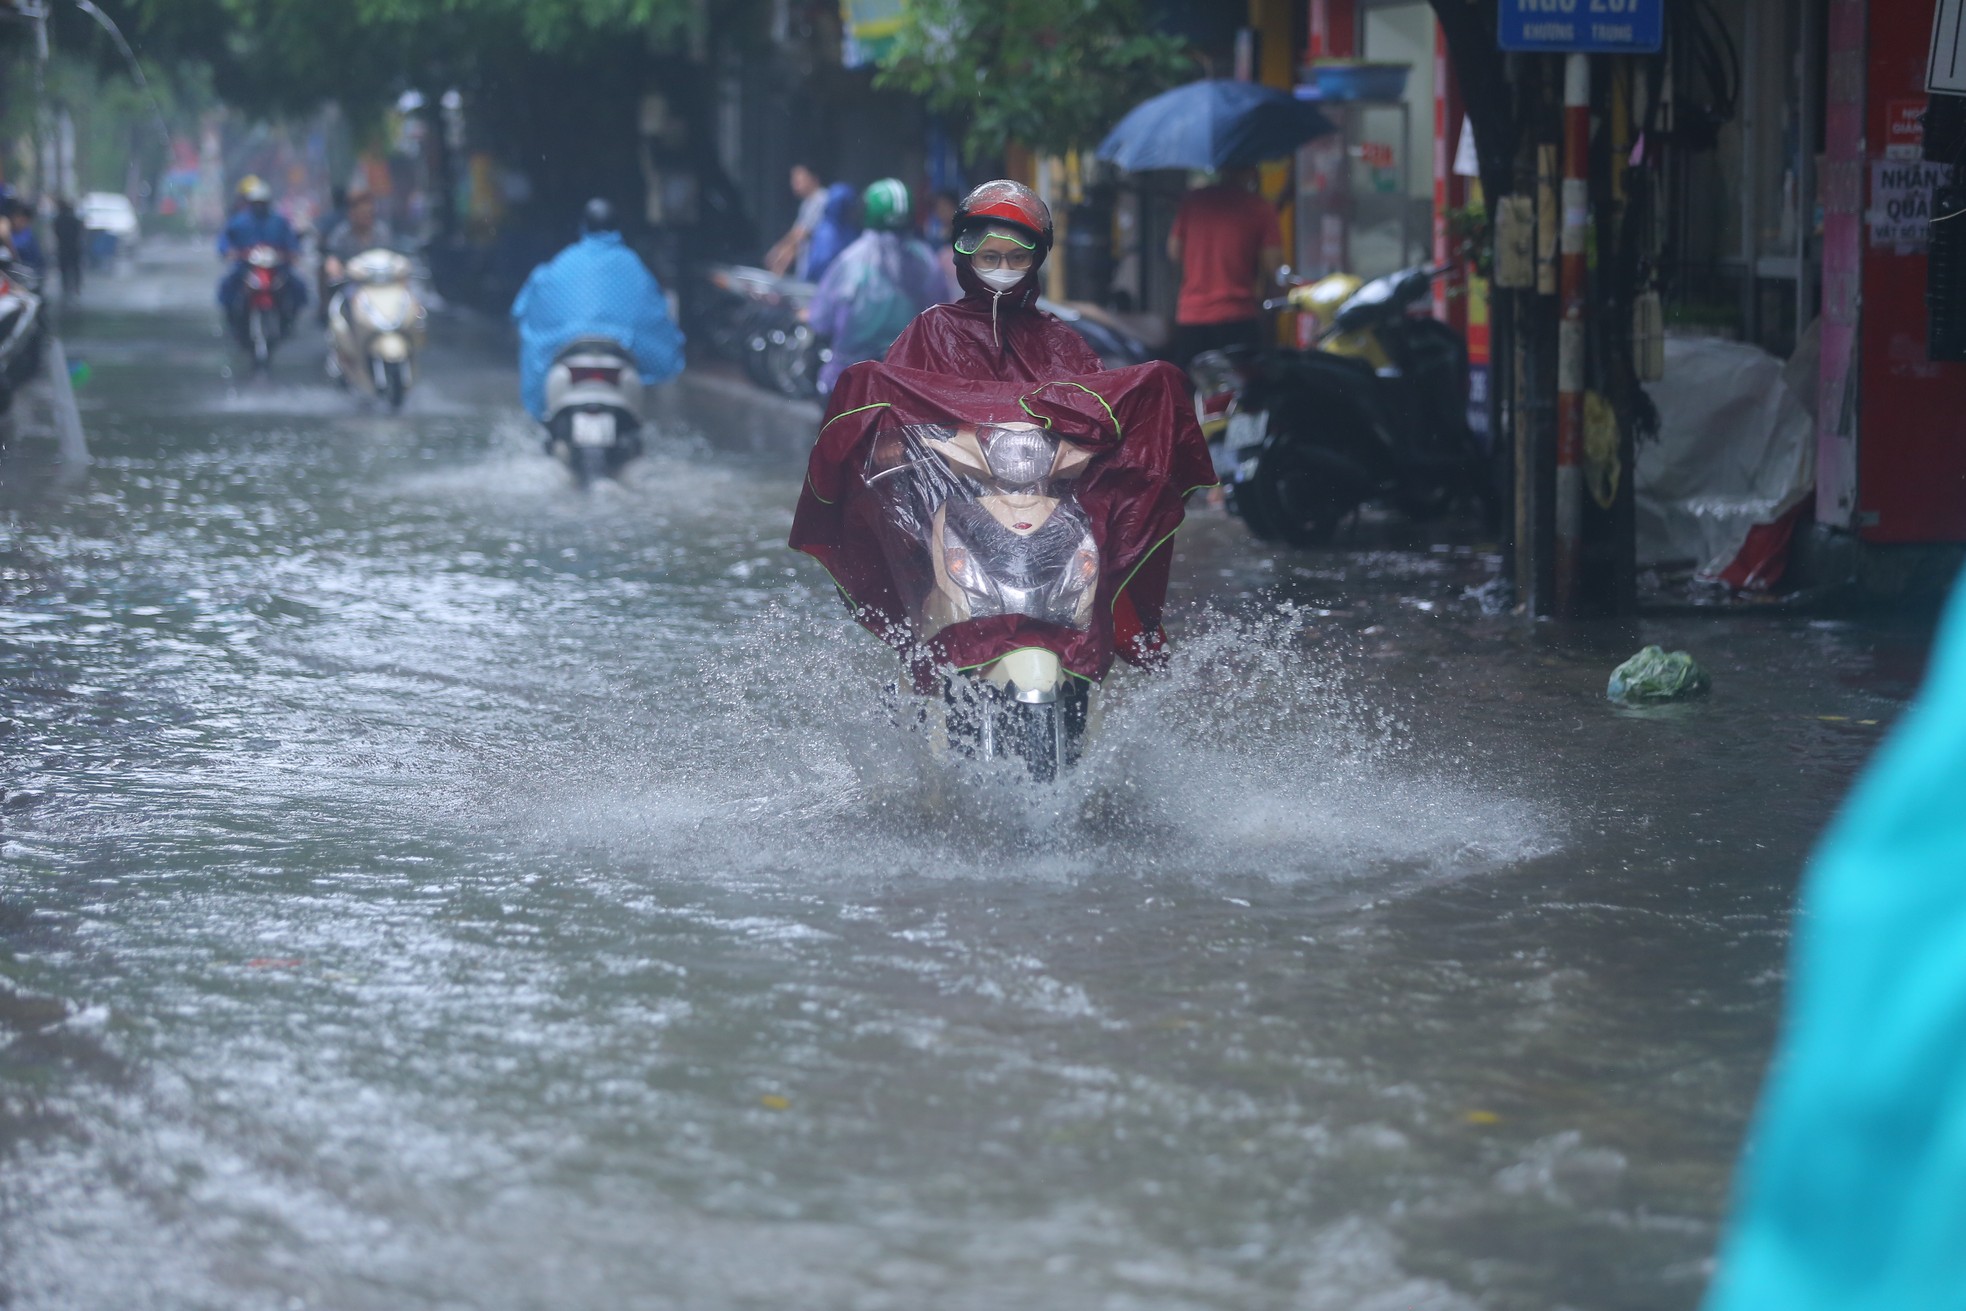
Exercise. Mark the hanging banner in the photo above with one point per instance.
(868, 28)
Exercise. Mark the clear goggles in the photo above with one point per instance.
(968, 242)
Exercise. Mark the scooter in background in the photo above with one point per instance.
(594, 408)
(376, 327)
(260, 320)
(1375, 411)
(753, 318)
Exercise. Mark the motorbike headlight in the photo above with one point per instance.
(1018, 457)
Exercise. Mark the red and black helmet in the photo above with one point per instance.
(1005, 201)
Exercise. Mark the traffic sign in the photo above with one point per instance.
(1612, 27)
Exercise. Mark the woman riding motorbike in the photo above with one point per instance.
(987, 490)
(1001, 235)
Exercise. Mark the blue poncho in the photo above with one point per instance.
(596, 287)
(1852, 1195)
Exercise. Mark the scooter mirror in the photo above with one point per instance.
(1284, 274)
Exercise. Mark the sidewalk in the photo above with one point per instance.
(733, 413)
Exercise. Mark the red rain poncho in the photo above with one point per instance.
(984, 336)
(1147, 454)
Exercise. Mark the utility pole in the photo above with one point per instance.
(1571, 352)
(36, 12)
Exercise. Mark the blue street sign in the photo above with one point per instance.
(1611, 27)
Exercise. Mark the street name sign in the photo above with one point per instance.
(1607, 27)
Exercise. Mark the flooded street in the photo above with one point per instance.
(425, 885)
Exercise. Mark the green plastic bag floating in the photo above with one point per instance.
(1655, 674)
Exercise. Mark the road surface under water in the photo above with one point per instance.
(428, 886)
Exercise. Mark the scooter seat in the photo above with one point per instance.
(593, 346)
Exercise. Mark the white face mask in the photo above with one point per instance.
(1001, 280)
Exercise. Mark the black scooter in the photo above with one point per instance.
(1376, 411)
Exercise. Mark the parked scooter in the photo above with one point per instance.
(23, 330)
(1116, 344)
(753, 318)
(376, 327)
(1376, 411)
(990, 509)
(259, 319)
(594, 408)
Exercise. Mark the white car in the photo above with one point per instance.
(111, 212)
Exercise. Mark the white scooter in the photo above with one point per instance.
(594, 407)
(376, 326)
(991, 511)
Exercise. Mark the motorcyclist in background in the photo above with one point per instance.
(596, 287)
(257, 225)
(877, 284)
(359, 230)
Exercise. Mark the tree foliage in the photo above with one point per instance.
(276, 56)
(1053, 75)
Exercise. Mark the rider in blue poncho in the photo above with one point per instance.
(596, 287)
(1852, 1193)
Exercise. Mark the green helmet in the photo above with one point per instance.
(885, 206)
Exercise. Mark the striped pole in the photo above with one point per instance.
(1572, 289)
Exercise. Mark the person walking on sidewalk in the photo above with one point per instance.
(1229, 247)
(71, 242)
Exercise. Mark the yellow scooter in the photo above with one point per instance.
(1376, 410)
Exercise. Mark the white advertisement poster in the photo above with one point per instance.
(1901, 201)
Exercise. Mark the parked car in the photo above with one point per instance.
(111, 222)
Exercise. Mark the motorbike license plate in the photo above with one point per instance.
(1247, 428)
(593, 429)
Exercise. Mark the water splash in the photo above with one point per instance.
(1260, 752)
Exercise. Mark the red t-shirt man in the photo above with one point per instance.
(1228, 245)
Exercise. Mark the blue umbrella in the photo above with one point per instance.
(1216, 123)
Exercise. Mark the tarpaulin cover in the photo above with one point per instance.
(1852, 1191)
(1736, 454)
(1148, 452)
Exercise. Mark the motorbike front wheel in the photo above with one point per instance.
(590, 463)
(1254, 502)
(1045, 735)
(259, 337)
(1308, 500)
(395, 386)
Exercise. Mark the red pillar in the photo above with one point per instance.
(1450, 192)
(1570, 350)
(1334, 29)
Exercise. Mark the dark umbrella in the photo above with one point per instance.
(1213, 124)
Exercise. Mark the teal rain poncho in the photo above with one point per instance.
(1852, 1194)
(596, 287)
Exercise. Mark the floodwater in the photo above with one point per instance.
(425, 885)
